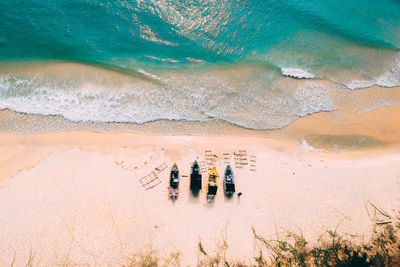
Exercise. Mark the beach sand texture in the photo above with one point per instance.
(97, 97)
(76, 196)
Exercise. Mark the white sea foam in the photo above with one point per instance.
(88, 101)
(195, 60)
(313, 98)
(386, 80)
(304, 144)
(149, 75)
(162, 59)
(391, 78)
(184, 97)
(357, 84)
(297, 73)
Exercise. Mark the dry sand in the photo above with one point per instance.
(76, 197)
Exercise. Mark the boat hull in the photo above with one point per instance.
(229, 182)
(173, 189)
(195, 178)
(212, 185)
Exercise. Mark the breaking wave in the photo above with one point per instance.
(196, 97)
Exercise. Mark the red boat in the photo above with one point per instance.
(174, 182)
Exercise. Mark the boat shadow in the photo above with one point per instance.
(194, 198)
(210, 205)
(228, 199)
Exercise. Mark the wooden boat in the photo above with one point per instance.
(195, 178)
(174, 182)
(212, 185)
(229, 182)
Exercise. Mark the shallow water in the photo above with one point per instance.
(257, 65)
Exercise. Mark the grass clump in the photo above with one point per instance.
(333, 249)
(218, 258)
(288, 251)
(150, 258)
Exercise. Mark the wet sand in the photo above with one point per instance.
(348, 131)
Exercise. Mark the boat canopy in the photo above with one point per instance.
(213, 178)
(212, 190)
(230, 188)
(174, 181)
(195, 168)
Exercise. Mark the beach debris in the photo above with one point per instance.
(379, 211)
(210, 159)
(385, 222)
(236, 158)
(240, 159)
(160, 168)
(227, 158)
(121, 164)
(239, 194)
(151, 180)
(202, 165)
(243, 157)
(252, 165)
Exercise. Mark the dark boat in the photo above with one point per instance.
(229, 182)
(195, 178)
(174, 182)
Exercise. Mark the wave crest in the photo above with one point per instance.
(197, 96)
(297, 73)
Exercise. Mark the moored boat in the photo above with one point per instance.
(212, 185)
(174, 182)
(195, 178)
(229, 182)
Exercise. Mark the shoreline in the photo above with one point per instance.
(256, 106)
(316, 134)
(335, 131)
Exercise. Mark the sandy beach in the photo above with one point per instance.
(100, 99)
(75, 197)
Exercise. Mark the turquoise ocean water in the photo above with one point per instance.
(258, 63)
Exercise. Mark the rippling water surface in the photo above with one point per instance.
(256, 64)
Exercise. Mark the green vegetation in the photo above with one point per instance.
(291, 249)
(333, 249)
(150, 258)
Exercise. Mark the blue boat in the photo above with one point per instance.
(229, 182)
